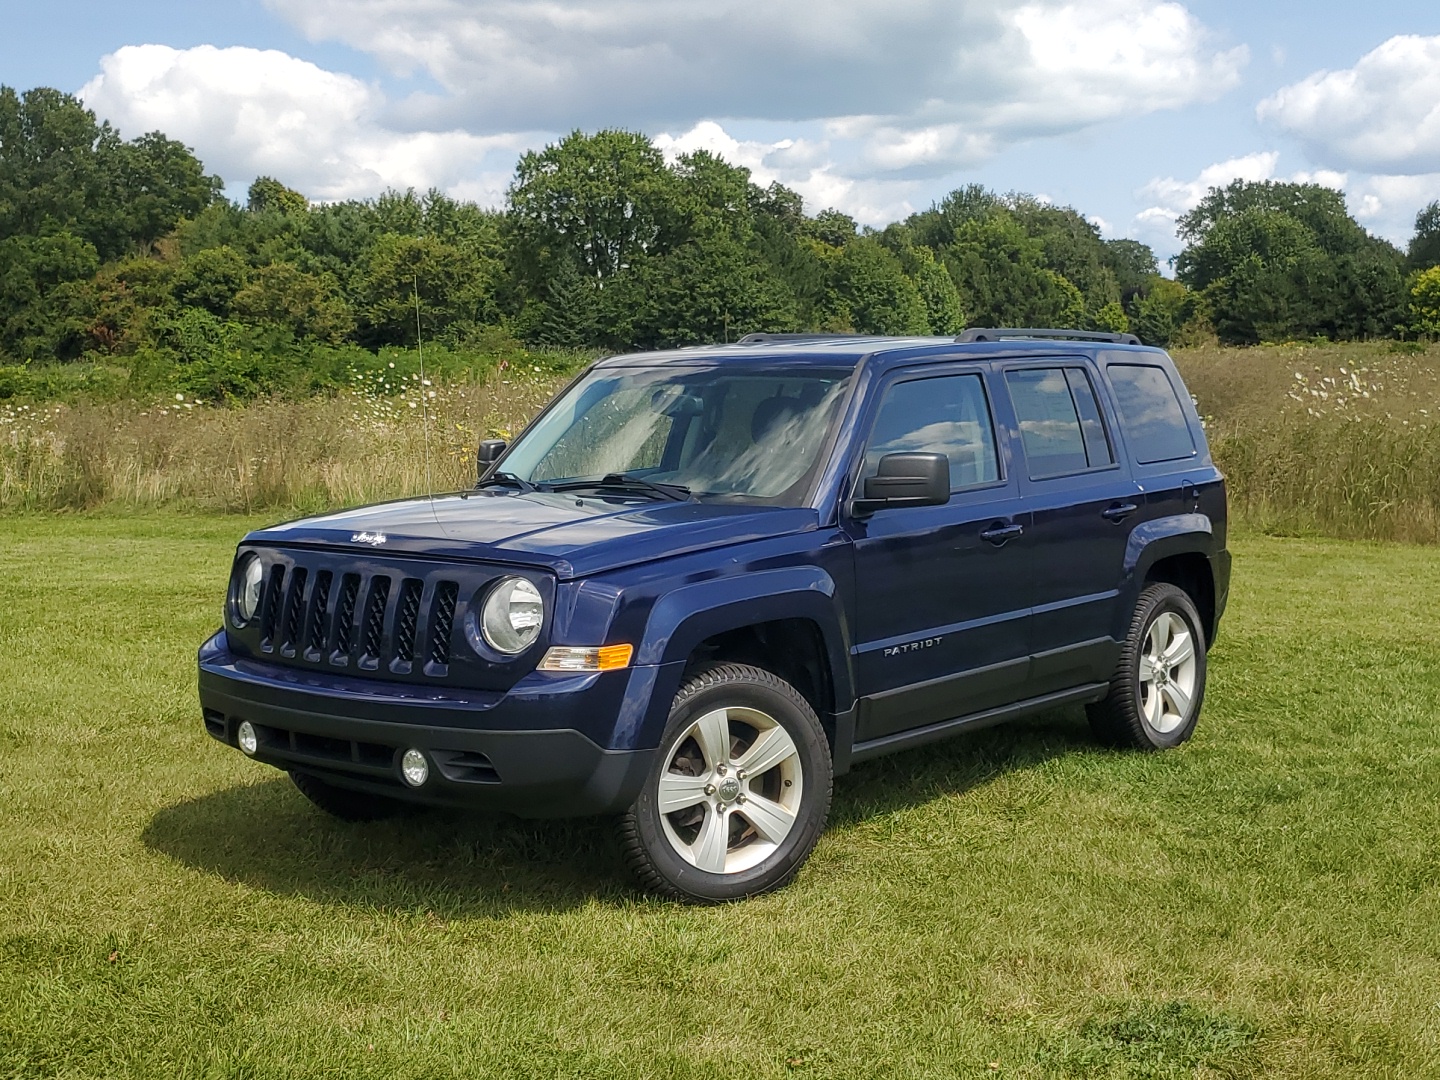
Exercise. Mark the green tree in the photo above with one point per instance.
(1279, 261)
(268, 194)
(1000, 270)
(1160, 310)
(709, 289)
(60, 169)
(1424, 302)
(306, 305)
(455, 289)
(44, 306)
(210, 279)
(1425, 244)
(604, 200)
(870, 292)
(944, 309)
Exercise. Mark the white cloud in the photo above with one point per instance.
(930, 85)
(250, 112)
(802, 165)
(1380, 116)
(1170, 198)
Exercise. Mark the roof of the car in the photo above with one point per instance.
(847, 351)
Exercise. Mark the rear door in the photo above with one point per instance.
(942, 608)
(1083, 504)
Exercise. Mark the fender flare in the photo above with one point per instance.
(684, 617)
(1151, 541)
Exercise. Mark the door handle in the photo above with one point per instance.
(998, 533)
(1119, 512)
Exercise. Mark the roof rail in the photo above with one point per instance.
(978, 333)
(782, 339)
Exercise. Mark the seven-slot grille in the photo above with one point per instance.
(374, 622)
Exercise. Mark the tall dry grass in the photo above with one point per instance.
(1341, 440)
(355, 447)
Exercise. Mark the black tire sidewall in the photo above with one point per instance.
(1155, 601)
(736, 685)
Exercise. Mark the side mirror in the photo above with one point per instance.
(906, 480)
(486, 455)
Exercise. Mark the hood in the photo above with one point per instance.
(570, 535)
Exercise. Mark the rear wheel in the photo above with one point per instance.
(343, 803)
(1159, 683)
(739, 792)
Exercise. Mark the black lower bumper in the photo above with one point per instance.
(533, 773)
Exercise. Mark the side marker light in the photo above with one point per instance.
(570, 658)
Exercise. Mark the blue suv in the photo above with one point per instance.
(704, 582)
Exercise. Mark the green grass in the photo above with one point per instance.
(1262, 902)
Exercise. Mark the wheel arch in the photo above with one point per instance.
(787, 622)
(1177, 551)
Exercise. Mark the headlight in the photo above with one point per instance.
(512, 615)
(245, 592)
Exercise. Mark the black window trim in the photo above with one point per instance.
(1180, 399)
(1061, 363)
(919, 373)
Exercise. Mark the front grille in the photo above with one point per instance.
(361, 622)
(345, 618)
(407, 619)
(294, 608)
(384, 616)
(319, 616)
(441, 624)
(374, 628)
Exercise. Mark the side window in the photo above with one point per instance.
(947, 415)
(1060, 423)
(1155, 427)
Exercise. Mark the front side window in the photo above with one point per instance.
(1155, 427)
(946, 415)
(1060, 423)
(723, 432)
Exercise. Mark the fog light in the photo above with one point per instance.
(246, 737)
(414, 768)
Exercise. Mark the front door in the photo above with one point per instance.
(941, 592)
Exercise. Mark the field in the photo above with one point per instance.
(1018, 903)
(1332, 440)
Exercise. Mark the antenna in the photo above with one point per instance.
(424, 392)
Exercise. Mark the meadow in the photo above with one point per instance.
(1337, 440)
(1017, 903)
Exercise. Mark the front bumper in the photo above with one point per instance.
(508, 752)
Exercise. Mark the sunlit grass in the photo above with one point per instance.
(1263, 902)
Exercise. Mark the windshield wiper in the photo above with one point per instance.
(626, 482)
(507, 479)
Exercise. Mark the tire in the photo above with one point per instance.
(343, 803)
(726, 720)
(1152, 707)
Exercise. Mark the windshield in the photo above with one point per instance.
(719, 431)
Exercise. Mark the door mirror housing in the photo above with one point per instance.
(486, 455)
(906, 480)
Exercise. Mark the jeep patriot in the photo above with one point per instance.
(703, 582)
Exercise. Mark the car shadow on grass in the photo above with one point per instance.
(265, 835)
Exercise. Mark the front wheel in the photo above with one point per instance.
(1159, 683)
(739, 791)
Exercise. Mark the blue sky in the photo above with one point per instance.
(1125, 109)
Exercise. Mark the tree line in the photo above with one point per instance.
(127, 249)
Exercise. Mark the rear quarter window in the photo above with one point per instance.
(1154, 422)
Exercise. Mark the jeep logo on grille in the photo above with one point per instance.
(373, 539)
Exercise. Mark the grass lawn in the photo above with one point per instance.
(1016, 903)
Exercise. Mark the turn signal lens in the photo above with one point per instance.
(605, 658)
